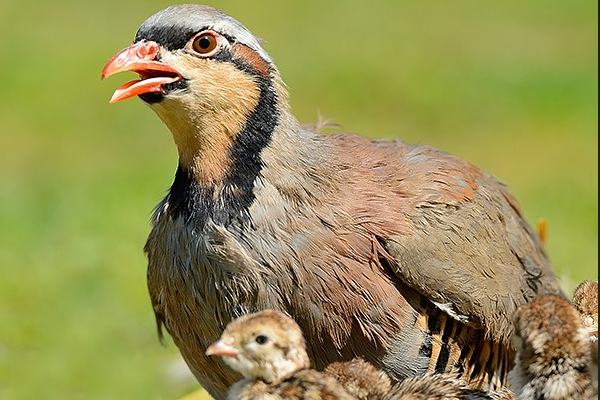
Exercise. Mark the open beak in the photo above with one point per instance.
(140, 57)
(220, 348)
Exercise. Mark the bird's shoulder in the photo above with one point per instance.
(419, 172)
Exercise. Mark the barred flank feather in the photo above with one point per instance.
(454, 346)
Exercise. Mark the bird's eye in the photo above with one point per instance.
(205, 43)
(261, 339)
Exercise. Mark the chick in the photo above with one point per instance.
(553, 353)
(269, 350)
(585, 300)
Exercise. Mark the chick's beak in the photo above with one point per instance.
(220, 348)
(140, 57)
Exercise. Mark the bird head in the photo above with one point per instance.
(205, 75)
(185, 47)
(267, 345)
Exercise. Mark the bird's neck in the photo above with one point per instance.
(220, 150)
(216, 140)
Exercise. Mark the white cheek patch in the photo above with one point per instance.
(244, 366)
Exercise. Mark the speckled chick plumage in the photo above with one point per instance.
(362, 380)
(585, 300)
(267, 348)
(553, 352)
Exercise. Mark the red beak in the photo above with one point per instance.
(140, 57)
(220, 348)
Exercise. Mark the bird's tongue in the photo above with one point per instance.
(141, 86)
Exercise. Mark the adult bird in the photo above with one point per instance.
(401, 254)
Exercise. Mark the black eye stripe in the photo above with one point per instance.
(173, 37)
(170, 37)
(177, 37)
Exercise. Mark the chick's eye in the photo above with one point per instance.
(205, 43)
(261, 339)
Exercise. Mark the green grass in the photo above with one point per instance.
(511, 86)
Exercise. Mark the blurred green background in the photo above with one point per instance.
(511, 86)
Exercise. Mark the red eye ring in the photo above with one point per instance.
(205, 43)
